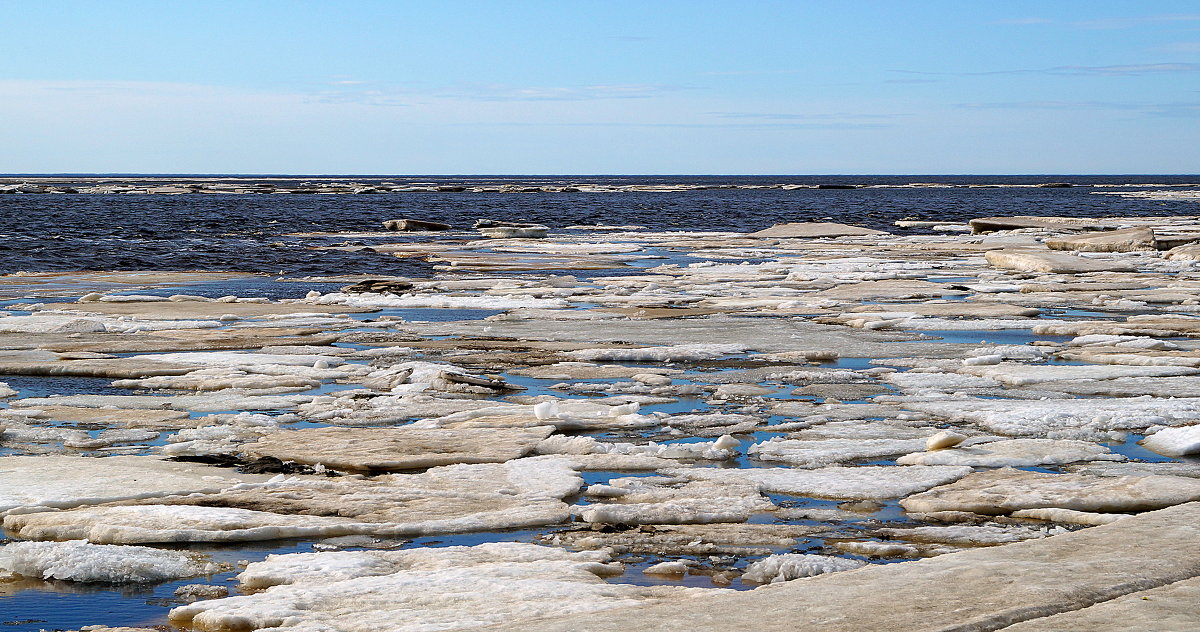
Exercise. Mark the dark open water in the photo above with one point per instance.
(252, 233)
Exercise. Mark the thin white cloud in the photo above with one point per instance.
(1184, 109)
(503, 92)
(1021, 21)
(1131, 21)
(1116, 70)
(835, 116)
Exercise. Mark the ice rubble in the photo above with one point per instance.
(429, 589)
(79, 561)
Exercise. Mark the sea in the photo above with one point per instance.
(280, 234)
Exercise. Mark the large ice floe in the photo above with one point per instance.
(422, 589)
(41, 483)
(451, 499)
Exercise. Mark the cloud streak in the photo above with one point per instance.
(1117, 70)
(1181, 109)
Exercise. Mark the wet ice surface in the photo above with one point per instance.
(725, 414)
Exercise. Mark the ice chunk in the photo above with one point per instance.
(1068, 516)
(780, 568)
(671, 568)
(944, 439)
(79, 561)
(1180, 441)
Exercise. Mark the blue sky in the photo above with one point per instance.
(668, 87)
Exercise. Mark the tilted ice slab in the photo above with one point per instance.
(810, 454)
(970, 535)
(859, 483)
(1014, 453)
(1175, 441)
(79, 561)
(1043, 417)
(453, 499)
(452, 588)
(1015, 374)
(29, 483)
(780, 568)
(1004, 491)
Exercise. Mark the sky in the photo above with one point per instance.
(600, 87)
